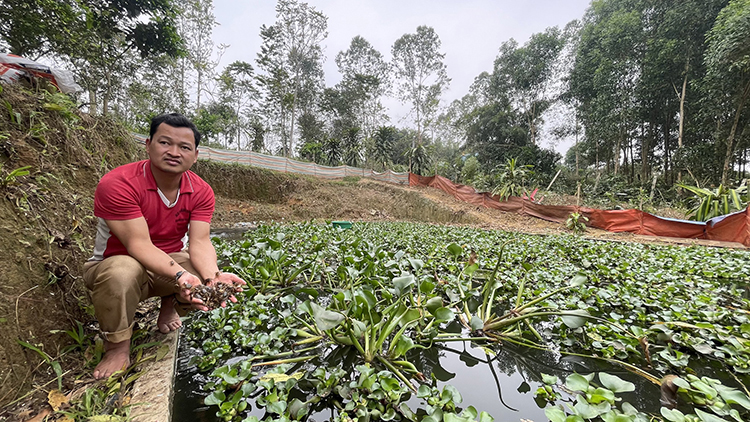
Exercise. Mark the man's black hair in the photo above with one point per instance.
(174, 120)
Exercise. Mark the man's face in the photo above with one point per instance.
(172, 149)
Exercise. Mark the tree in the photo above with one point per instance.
(421, 75)
(383, 146)
(107, 41)
(214, 120)
(197, 22)
(365, 79)
(728, 63)
(237, 90)
(291, 59)
(604, 76)
(525, 73)
(352, 147)
(33, 28)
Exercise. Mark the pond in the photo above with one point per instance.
(403, 321)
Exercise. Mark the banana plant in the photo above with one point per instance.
(714, 203)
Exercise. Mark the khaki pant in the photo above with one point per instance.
(118, 283)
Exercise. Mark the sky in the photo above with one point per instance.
(471, 32)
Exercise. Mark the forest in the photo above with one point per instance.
(653, 93)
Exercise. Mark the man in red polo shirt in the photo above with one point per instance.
(153, 239)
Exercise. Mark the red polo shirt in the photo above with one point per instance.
(130, 191)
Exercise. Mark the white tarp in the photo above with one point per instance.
(13, 68)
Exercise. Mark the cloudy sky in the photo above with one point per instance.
(471, 31)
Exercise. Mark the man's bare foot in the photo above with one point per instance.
(168, 320)
(116, 358)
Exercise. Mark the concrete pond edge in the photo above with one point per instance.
(153, 392)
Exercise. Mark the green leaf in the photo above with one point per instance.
(278, 407)
(555, 414)
(402, 284)
(433, 304)
(476, 323)
(615, 383)
(455, 250)
(485, 417)
(575, 319)
(215, 398)
(577, 382)
(578, 280)
(680, 382)
(733, 396)
(298, 409)
(416, 264)
(704, 388)
(601, 395)
(403, 345)
(445, 315)
(451, 392)
(590, 411)
(549, 379)
(325, 319)
(426, 287)
(708, 417)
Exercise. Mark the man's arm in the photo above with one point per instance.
(203, 256)
(135, 237)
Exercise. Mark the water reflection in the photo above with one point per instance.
(501, 382)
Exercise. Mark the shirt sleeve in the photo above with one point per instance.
(203, 208)
(115, 199)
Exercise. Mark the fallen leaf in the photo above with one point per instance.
(40, 417)
(277, 378)
(57, 400)
(162, 352)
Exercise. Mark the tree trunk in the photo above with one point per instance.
(665, 130)
(577, 151)
(618, 147)
(732, 133)
(93, 106)
(645, 149)
(682, 116)
(107, 93)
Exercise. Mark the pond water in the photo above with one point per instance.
(502, 385)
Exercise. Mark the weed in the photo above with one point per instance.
(47, 358)
(62, 104)
(15, 117)
(11, 177)
(576, 223)
(81, 340)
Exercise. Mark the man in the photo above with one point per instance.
(148, 211)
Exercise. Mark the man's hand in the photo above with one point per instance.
(230, 279)
(186, 282)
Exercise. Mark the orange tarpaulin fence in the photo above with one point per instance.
(728, 228)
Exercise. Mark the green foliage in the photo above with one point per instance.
(576, 223)
(47, 358)
(593, 402)
(716, 202)
(420, 74)
(420, 159)
(12, 177)
(381, 294)
(513, 180)
(384, 140)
